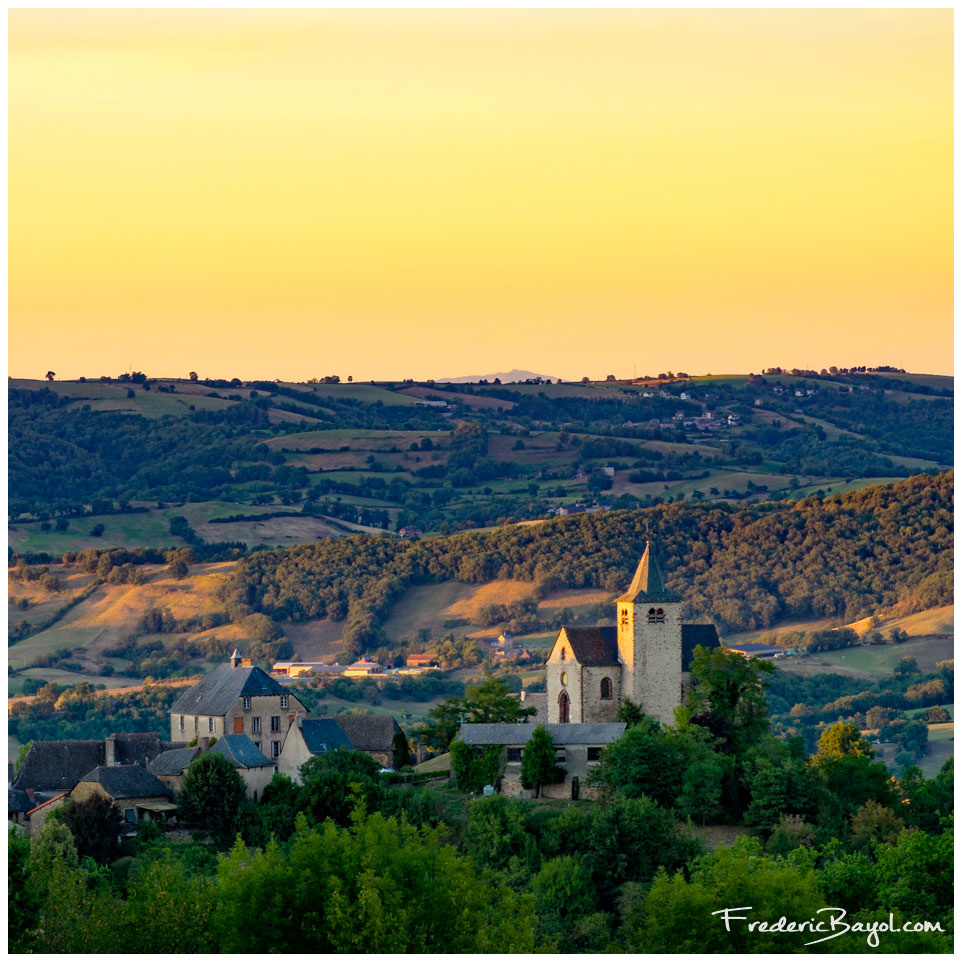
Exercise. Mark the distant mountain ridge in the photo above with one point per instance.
(506, 377)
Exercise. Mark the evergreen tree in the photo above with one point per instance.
(538, 765)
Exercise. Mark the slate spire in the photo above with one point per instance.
(648, 584)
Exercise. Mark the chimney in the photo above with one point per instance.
(235, 659)
(110, 745)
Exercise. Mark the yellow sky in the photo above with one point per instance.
(390, 194)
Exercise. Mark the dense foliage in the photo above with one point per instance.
(888, 546)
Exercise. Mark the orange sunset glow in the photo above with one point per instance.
(434, 193)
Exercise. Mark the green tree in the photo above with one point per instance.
(442, 724)
(473, 767)
(538, 765)
(211, 796)
(493, 701)
(728, 697)
(843, 740)
(23, 898)
(334, 782)
(564, 898)
(95, 824)
(630, 713)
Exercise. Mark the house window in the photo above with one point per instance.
(275, 749)
(256, 724)
(606, 688)
(130, 814)
(181, 722)
(196, 724)
(247, 702)
(514, 754)
(257, 745)
(594, 754)
(275, 723)
(255, 794)
(564, 708)
(283, 701)
(210, 724)
(559, 755)
(656, 616)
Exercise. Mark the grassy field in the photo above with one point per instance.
(113, 611)
(873, 661)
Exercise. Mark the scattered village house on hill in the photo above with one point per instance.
(236, 699)
(375, 735)
(56, 766)
(309, 738)
(138, 793)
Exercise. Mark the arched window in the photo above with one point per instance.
(624, 617)
(564, 708)
(564, 655)
(606, 688)
(656, 616)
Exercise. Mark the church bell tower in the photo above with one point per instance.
(649, 641)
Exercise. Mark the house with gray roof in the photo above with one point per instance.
(254, 767)
(372, 734)
(171, 766)
(578, 746)
(138, 793)
(57, 766)
(236, 699)
(309, 738)
(18, 804)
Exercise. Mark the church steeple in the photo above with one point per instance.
(648, 584)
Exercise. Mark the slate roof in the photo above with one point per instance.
(240, 751)
(59, 765)
(691, 637)
(594, 646)
(369, 732)
(216, 693)
(590, 733)
(135, 748)
(18, 802)
(173, 762)
(323, 735)
(648, 584)
(127, 781)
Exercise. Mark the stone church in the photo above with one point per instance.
(646, 656)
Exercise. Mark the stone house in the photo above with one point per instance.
(372, 734)
(646, 656)
(308, 738)
(139, 794)
(57, 766)
(171, 766)
(236, 699)
(577, 748)
(254, 767)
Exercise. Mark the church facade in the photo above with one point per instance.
(645, 656)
